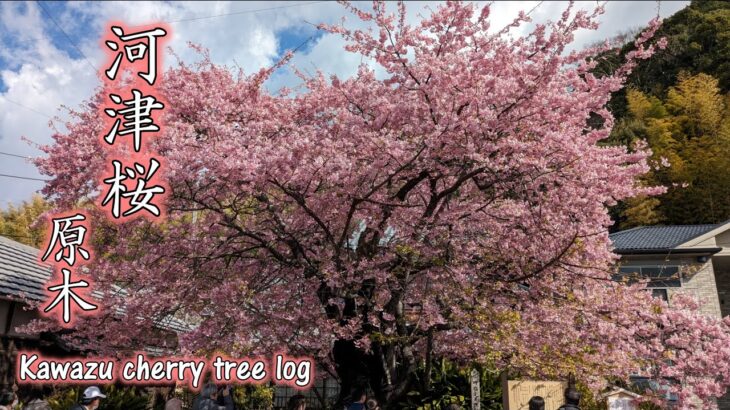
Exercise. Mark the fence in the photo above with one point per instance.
(320, 396)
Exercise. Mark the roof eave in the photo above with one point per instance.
(667, 252)
(720, 228)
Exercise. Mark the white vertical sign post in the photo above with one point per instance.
(475, 390)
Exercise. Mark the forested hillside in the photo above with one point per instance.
(678, 103)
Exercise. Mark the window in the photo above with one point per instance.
(659, 276)
(644, 384)
(660, 293)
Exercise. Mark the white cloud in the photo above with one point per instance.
(42, 78)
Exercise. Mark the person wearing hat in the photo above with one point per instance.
(90, 400)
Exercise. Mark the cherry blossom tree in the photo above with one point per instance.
(451, 203)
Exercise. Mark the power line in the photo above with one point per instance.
(535, 8)
(26, 107)
(22, 177)
(14, 155)
(247, 11)
(66, 34)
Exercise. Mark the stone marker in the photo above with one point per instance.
(475, 390)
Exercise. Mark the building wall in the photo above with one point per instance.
(17, 315)
(698, 279)
(722, 277)
(703, 282)
(723, 239)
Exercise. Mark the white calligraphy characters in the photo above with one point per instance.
(131, 188)
(66, 295)
(136, 51)
(70, 237)
(140, 196)
(137, 116)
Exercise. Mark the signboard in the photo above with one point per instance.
(475, 390)
(516, 394)
(621, 403)
(620, 399)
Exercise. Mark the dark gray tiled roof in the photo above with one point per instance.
(22, 276)
(658, 237)
(20, 273)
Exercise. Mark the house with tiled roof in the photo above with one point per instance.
(680, 258)
(23, 280)
(693, 259)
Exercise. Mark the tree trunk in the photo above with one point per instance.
(359, 370)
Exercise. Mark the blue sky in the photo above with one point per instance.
(47, 53)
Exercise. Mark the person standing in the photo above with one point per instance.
(173, 402)
(37, 399)
(6, 400)
(359, 397)
(209, 398)
(297, 402)
(90, 400)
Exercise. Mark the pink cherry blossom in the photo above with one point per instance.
(456, 206)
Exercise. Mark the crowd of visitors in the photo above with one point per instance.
(211, 397)
(360, 401)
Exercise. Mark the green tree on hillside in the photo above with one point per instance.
(698, 41)
(18, 222)
(677, 103)
(690, 130)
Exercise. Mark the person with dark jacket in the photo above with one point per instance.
(536, 403)
(37, 399)
(6, 400)
(90, 400)
(208, 399)
(359, 396)
(297, 402)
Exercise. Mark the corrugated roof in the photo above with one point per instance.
(22, 276)
(658, 237)
(20, 273)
